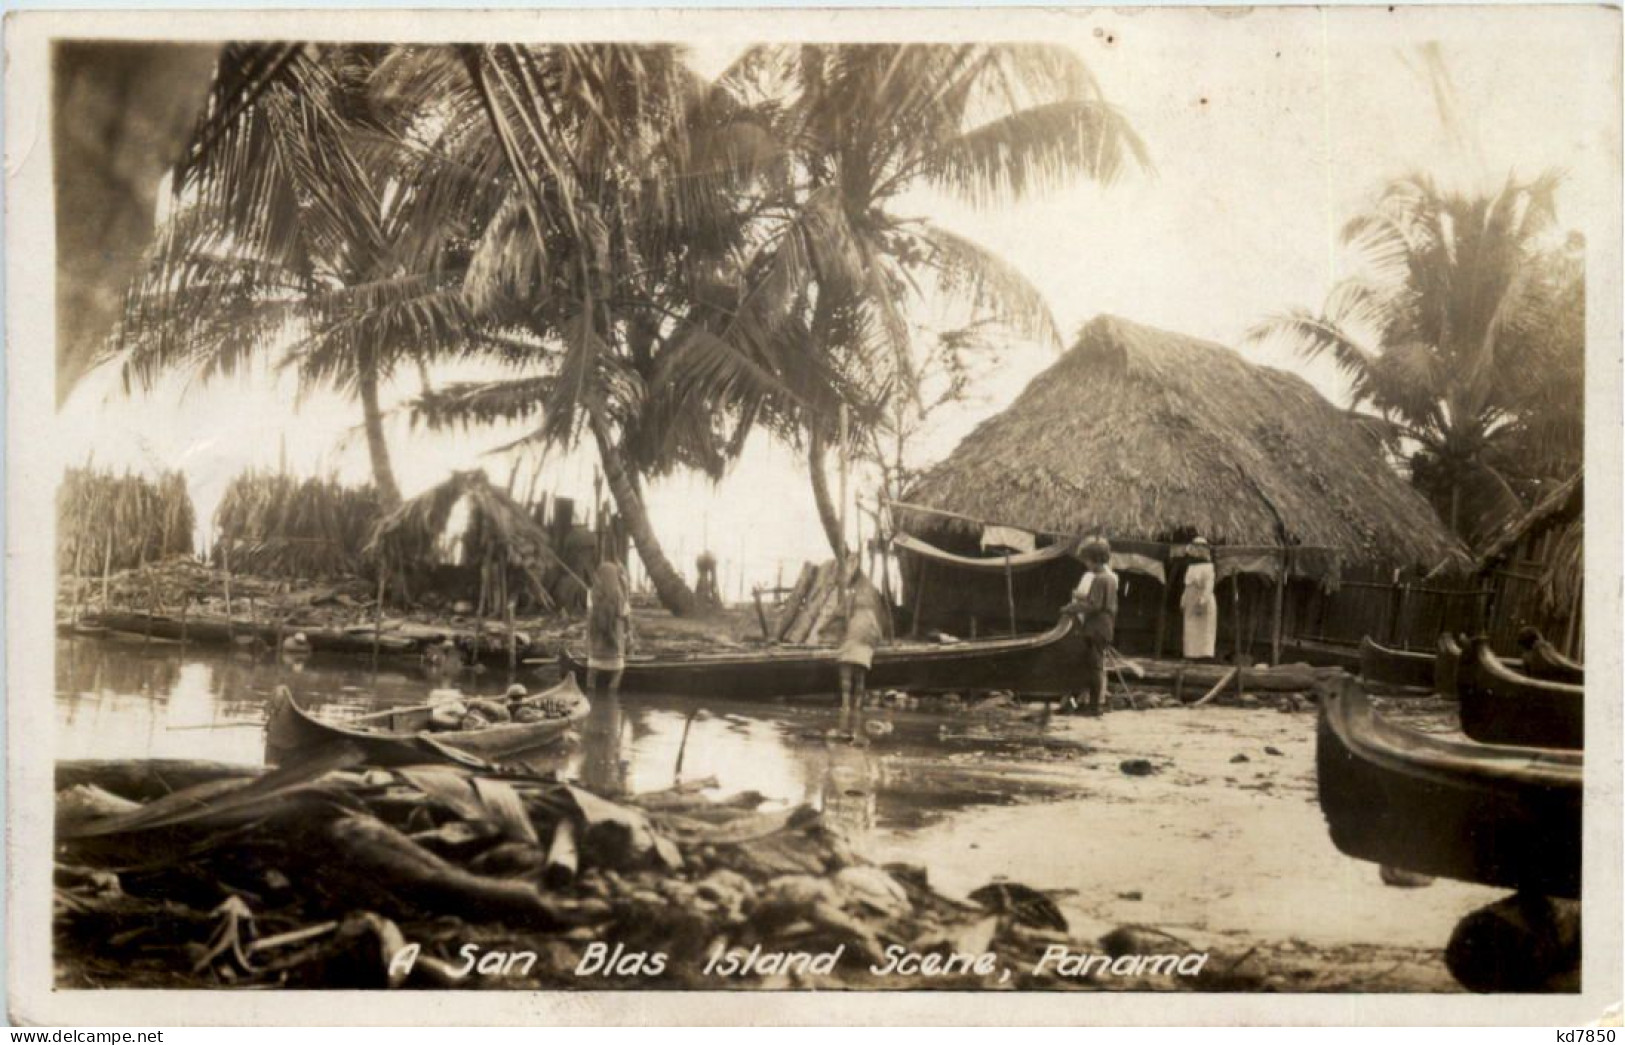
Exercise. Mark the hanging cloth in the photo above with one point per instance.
(1008, 537)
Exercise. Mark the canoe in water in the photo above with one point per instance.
(1050, 662)
(402, 736)
(1501, 816)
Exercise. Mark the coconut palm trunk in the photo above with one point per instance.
(674, 593)
(383, 472)
(828, 514)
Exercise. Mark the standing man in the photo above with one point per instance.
(1095, 603)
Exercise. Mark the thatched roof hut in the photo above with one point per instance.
(1535, 565)
(1139, 433)
(508, 548)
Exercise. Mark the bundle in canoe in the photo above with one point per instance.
(1392, 667)
(1503, 816)
(1502, 706)
(403, 736)
(1031, 664)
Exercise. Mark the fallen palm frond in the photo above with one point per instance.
(349, 863)
(278, 526)
(108, 522)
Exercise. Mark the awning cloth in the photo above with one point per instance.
(1122, 562)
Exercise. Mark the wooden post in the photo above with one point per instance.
(761, 614)
(378, 616)
(842, 462)
(1010, 590)
(507, 613)
(1162, 607)
(225, 565)
(107, 569)
(1398, 636)
(1235, 625)
(919, 600)
(1280, 598)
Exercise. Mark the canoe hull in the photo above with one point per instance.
(1037, 664)
(1500, 816)
(1392, 667)
(401, 739)
(1501, 706)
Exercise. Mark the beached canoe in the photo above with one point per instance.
(1502, 706)
(1541, 660)
(401, 736)
(1501, 816)
(1392, 667)
(1047, 663)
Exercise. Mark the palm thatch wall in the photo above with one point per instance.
(1535, 566)
(502, 541)
(275, 525)
(1140, 433)
(120, 522)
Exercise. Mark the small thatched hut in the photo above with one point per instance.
(1535, 569)
(1152, 438)
(504, 551)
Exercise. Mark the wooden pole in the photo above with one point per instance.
(919, 600)
(761, 614)
(1235, 625)
(378, 616)
(1010, 590)
(843, 467)
(225, 565)
(1162, 610)
(1280, 599)
(507, 613)
(107, 569)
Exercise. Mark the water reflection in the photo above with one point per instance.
(130, 700)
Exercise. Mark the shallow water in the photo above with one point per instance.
(126, 699)
(1206, 845)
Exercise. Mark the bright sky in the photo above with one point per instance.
(1268, 130)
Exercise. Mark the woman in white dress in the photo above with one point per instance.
(1200, 607)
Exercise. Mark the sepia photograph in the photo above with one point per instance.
(769, 502)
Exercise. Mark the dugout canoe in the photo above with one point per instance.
(1392, 667)
(1046, 663)
(1501, 816)
(1541, 660)
(217, 631)
(1502, 706)
(401, 736)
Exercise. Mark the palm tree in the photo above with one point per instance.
(862, 125)
(1444, 335)
(306, 229)
(622, 208)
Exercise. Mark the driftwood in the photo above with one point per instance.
(1218, 687)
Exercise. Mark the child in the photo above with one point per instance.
(1095, 603)
(862, 612)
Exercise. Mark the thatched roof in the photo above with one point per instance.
(1560, 505)
(1139, 433)
(499, 531)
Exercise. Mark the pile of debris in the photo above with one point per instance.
(331, 874)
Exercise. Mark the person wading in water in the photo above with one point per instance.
(609, 626)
